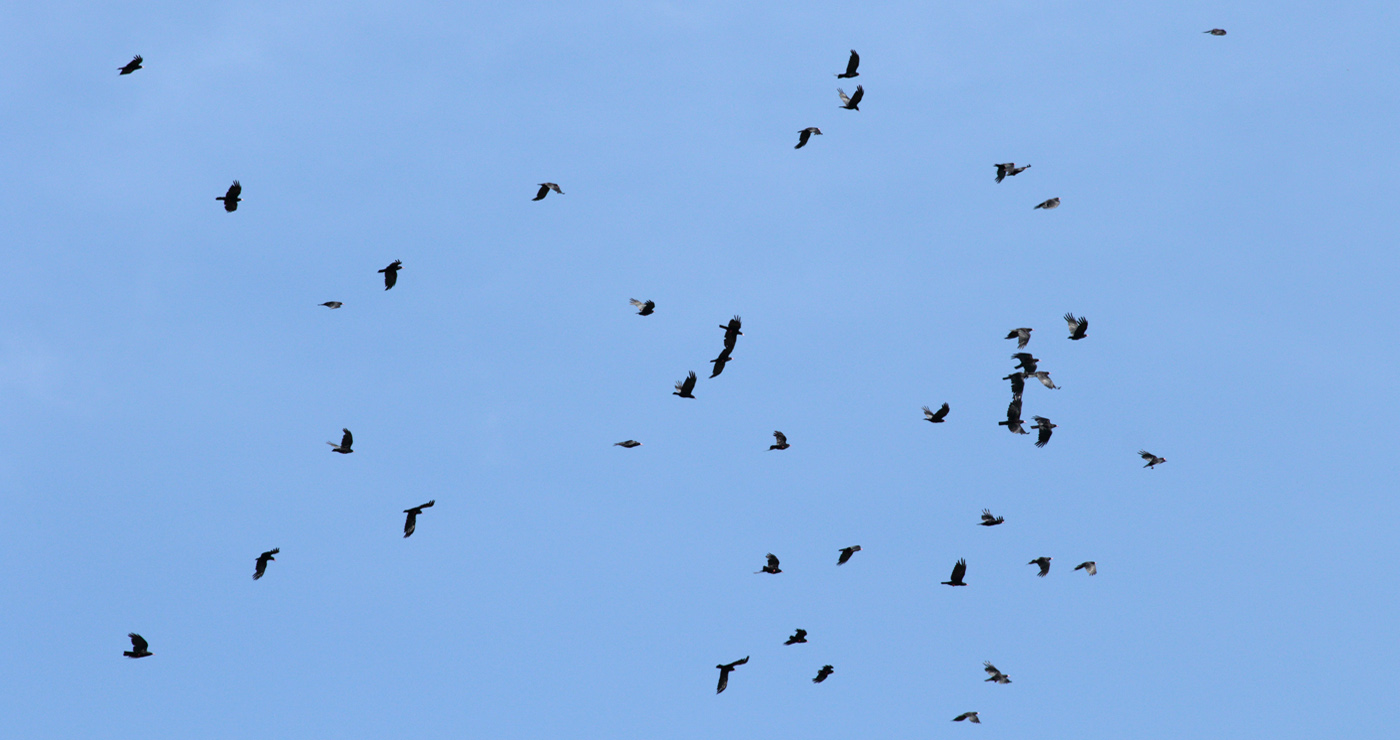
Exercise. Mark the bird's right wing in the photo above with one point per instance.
(347, 439)
(138, 643)
(852, 63)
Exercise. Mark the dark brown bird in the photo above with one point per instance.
(799, 636)
(938, 416)
(959, 570)
(725, 669)
(771, 567)
(731, 331)
(629, 444)
(138, 646)
(346, 440)
(781, 440)
(1090, 566)
(131, 66)
(969, 716)
(545, 187)
(1044, 563)
(1152, 460)
(1009, 170)
(853, 102)
(721, 361)
(1044, 425)
(846, 553)
(1013, 418)
(646, 308)
(990, 521)
(851, 65)
(1049, 204)
(1018, 384)
(1025, 362)
(1077, 327)
(805, 134)
(332, 304)
(262, 562)
(411, 523)
(684, 387)
(996, 675)
(1213, 32)
(825, 671)
(1022, 336)
(231, 198)
(391, 274)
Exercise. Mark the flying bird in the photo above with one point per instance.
(936, 417)
(1009, 170)
(959, 570)
(1013, 418)
(1077, 327)
(1025, 362)
(1213, 32)
(1045, 380)
(805, 134)
(725, 669)
(332, 304)
(825, 671)
(851, 65)
(968, 715)
(731, 331)
(262, 562)
(1047, 205)
(1152, 460)
(990, 521)
(781, 439)
(391, 273)
(846, 553)
(771, 567)
(1022, 336)
(345, 441)
(852, 102)
(721, 361)
(684, 387)
(799, 636)
(1090, 566)
(1044, 564)
(1018, 384)
(629, 444)
(131, 66)
(545, 187)
(646, 308)
(1044, 425)
(996, 675)
(411, 523)
(138, 646)
(231, 198)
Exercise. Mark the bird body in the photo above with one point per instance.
(1213, 32)
(846, 553)
(771, 567)
(851, 65)
(646, 308)
(990, 521)
(346, 440)
(781, 442)
(936, 417)
(805, 134)
(1152, 460)
(131, 66)
(1045, 427)
(725, 669)
(1077, 327)
(825, 671)
(545, 187)
(332, 304)
(230, 197)
(411, 523)
(684, 387)
(1022, 336)
(262, 562)
(959, 570)
(138, 646)
(852, 102)
(391, 274)
(1049, 204)
(1044, 564)
(629, 444)
(1090, 566)
(1009, 170)
(968, 716)
(799, 636)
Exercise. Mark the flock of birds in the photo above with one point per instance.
(1027, 368)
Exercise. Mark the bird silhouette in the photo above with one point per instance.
(138, 646)
(781, 439)
(772, 566)
(230, 198)
(724, 670)
(851, 65)
(1044, 564)
(805, 134)
(684, 387)
(346, 440)
(545, 187)
(852, 102)
(938, 416)
(391, 274)
(646, 308)
(131, 66)
(959, 570)
(411, 523)
(262, 562)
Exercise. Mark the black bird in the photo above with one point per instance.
(799, 636)
(721, 361)
(643, 308)
(138, 646)
(1152, 460)
(332, 304)
(825, 671)
(806, 134)
(996, 675)
(1044, 564)
(1077, 327)
(1009, 170)
(262, 562)
(1049, 204)
(968, 715)
(545, 187)
(936, 417)
(684, 387)
(629, 444)
(411, 523)
(1025, 362)
(772, 566)
(853, 102)
(1213, 32)
(1044, 425)
(725, 669)
(1045, 380)
(731, 331)
(1090, 566)
(131, 66)
(1022, 336)
(990, 521)
(391, 273)
(782, 443)
(345, 441)
(959, 570)
(851, 65)
(1018, 384)
(846, 553)
(1013, 418)
(231, 198)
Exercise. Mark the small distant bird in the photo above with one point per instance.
(959, 570)
(131, 66)
(1213, 32)
(996, 675)
(1045, 427)
(646, 308)
(1077, 327)
(411, 523)
(725, 669)
(1047, 205)
(684, 387)
(731, 331)
(990, 521)
(1152, 460)
(781, 439)
(799, 636)
(262, 562)
(1009, 170)
(1022, 336)
(1025, 362)
(771, 567)
(825, 671)
(721, 361)
(806, 134)
(138, 646)
(1018, 384)
(851, 65)
(332, 304)
(936, 417)
(1090, 566)
(1045, 380)
(968, 715)
(391, 274)
(345, 441)
(1013, 418)
(629, 444)
(231, 198)
(846, 553)
(1044, 564)
(853, 102)
(545, 187)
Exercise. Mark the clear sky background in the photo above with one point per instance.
(168, 383)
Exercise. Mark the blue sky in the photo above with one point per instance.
(167, 381)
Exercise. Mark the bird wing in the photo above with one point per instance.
(347, 439)
(428, 505)
(989, 668)
(544, 190)
(860, 93)
(804, 135)
(846, 554)
(138, 643)
(941, 413)
(690, 382)
(723, 678)
(1044, 567)
(1083, 328)
(1018, 383)
(852, 63)
(959, 570)
(1013, 411)
(772, 563)
(1044, 436)
(1073, 323)
(635, 302)
(234, 191)
(801, 633)
(1093, 568)
(844, 99)
(555, 187)
(410, 523)
(746, 658)
(782, 438)
(1146, 455)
